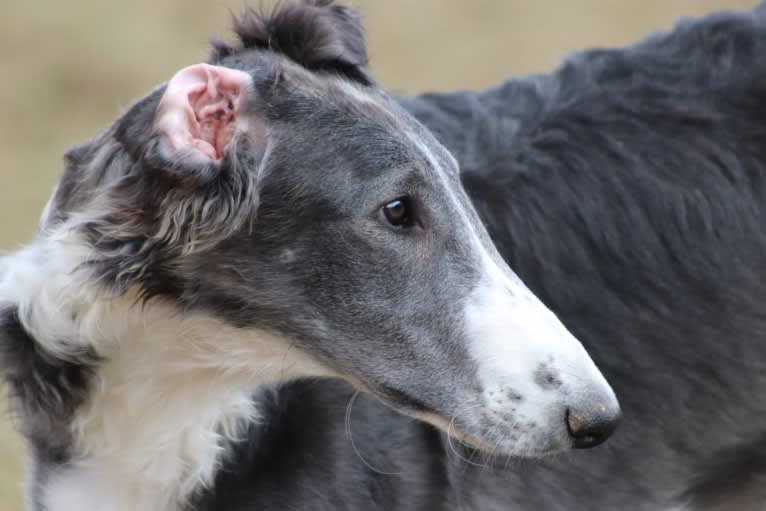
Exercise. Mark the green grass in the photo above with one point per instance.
(69, 67)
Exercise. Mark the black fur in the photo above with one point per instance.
(317, 34)
(43, 393)
(47, 387)
(732, 479)
(303, 453)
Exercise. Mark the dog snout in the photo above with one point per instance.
(591, 424)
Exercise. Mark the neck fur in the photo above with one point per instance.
(170, 392)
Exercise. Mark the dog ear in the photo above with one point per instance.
(178, 174)
(201, 111)
(192, 128)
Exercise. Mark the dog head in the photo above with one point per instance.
(277, 190)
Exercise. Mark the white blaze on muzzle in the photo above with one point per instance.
(512, 334)
(532, 370)
(534, 374)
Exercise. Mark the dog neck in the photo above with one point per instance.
(167, 391)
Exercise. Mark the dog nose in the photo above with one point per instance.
(591, 426)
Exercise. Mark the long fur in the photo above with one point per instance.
(162, 403)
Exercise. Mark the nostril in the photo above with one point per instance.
(592, 427)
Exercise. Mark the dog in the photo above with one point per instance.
(256, 230)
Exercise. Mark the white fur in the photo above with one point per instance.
(511, 336)
(172, 389)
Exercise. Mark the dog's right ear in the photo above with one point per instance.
(194, 124)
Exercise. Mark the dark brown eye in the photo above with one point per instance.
(398, 212)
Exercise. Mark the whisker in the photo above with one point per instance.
(350, 436)
(452, 447)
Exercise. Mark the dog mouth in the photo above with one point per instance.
(456, 432)
(405, 404)
(401, 400)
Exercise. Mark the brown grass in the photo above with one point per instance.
(69, 67)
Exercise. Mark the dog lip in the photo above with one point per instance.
(471, 440)
(392, 397)
(397, 399)
(402, 402)
(402, 399)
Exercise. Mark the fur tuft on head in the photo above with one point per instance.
(317, 34)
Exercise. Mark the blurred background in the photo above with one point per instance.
(68, 68)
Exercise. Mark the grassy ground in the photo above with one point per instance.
(67, 68)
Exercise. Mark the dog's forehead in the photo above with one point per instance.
(331, 112)
(416, 146)
(336, 126)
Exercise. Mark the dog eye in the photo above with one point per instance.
(398, 213)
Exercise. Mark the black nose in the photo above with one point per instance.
(592, 426)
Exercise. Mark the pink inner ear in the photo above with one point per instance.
(200, 110)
